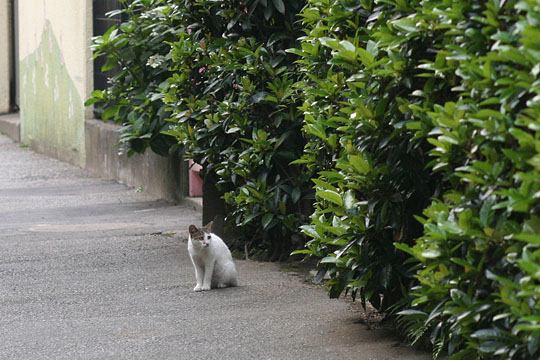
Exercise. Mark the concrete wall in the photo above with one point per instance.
(55, 75)
(5, 55)
(11, 126)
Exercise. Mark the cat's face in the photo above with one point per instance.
(201, 237)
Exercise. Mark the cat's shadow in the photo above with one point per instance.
(224, 289)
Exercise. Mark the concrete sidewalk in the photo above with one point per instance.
(91, 269)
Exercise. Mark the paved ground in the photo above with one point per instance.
(88, 270)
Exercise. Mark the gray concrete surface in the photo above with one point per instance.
(161, 177)
(90, 269)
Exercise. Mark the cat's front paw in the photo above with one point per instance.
(198, 288)
(205, 287)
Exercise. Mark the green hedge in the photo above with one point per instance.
(235, 108)
(479, 258)
(362, 84)
(409, 130)
(214, 76)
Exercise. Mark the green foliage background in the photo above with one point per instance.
(138, 53)
(397, 140)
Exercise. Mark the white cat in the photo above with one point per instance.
(211, 258)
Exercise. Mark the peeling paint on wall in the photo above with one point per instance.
(52, 110)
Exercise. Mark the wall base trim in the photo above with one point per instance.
(158, 176)
(10, 125)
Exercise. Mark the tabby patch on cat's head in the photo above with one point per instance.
(195, 233)
(198, 234)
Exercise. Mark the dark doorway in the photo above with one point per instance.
(102, 23)
(14, 67)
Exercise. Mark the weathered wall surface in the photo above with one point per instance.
(5, 55)
(55, 75)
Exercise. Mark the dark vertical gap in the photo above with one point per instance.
(184, 177)
(13, 86)
(213, 204)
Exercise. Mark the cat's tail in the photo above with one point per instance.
(233, 282)
(233, 279)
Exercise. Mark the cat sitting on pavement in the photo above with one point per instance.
(211, 258)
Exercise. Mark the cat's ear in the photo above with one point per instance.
(193, 230)
(208, 227)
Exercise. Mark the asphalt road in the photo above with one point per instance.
(91, 269)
